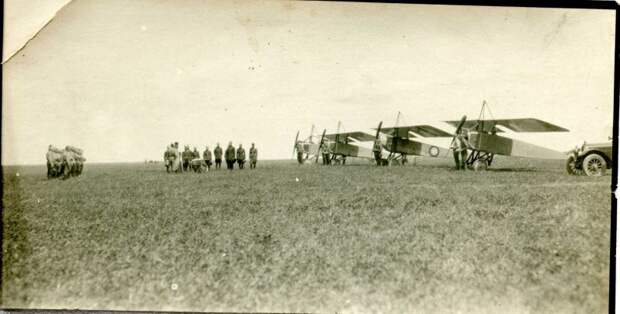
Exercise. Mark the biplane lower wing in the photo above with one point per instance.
(344, 137)
(500, 145)
(411, 147)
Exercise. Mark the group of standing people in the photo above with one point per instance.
(191, 159)
(232, 156)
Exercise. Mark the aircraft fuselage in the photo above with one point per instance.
(499, 145)
(404, 146)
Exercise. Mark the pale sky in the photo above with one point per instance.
(122, 79)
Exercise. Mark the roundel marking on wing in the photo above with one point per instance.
(433, 151)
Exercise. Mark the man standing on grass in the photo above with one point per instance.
(217, 152)
(325, 154)
(206, 155)
(196, 154)
(240, 156)
(376, 149)
(177, 158)
(187, 157)
(459, 149)
(253, 156)
(300, 152)
(230, 156)
(166, 158)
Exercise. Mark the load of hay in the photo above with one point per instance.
(55, 149)
(64, 163)
(74, 149)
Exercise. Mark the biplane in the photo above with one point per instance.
(339, 146)
(308, 146)
(483, 142)
(400, 141)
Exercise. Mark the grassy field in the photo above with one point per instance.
(525, 237)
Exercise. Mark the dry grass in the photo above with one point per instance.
(343, 239)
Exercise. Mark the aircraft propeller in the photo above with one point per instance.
(318, 151)
(378, 130)
(460, 126)
(295, 143)
(458, 129)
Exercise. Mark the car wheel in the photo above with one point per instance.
(571, 166)
(594, 165)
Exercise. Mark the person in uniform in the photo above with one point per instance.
(240, 156)
(206, 155)
(300, 152)
(178, 162)
(187, 157)
(253, 156)
(459, 149)
(49, 157)
(325, 153)
(169, 157)
(217, 152)
(230, 156)
(376, 149)
(195, 162)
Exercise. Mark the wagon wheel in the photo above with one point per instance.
(594, 165)
(571, 166)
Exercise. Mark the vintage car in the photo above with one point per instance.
(590, 159)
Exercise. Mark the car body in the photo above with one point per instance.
(591, 159)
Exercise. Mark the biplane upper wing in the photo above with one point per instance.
(488, 125)
(421, 130)
(530, 125)
(515, 125)
(358, 136)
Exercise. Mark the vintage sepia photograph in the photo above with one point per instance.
(308, 156)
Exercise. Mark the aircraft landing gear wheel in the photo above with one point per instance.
(594, 165)
(571, 166)
(479, 165)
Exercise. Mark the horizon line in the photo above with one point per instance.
(123, 162)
